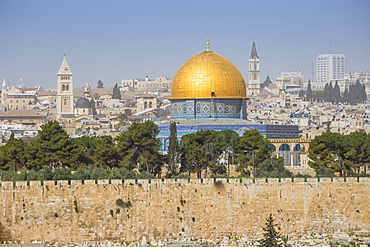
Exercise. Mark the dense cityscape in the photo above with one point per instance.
(184, 123)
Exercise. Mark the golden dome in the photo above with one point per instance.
(208, 74)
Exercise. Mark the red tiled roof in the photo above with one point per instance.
(145, 96)
(27, 89)
(266, 93)
(22, 113)
(51, 93)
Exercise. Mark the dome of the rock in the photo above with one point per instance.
(208, 75)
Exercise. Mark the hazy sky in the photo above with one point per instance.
(113, 40)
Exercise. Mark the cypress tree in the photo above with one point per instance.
(309, 91)
(336, 93)
(326, 93)
(271, 236)
(173, 152)
(116, 92)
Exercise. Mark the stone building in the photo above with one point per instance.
(209, 93)
(23, 117)
(13, 98)
(64, 90)
(145, 101)
(254, 73)
(160, 82)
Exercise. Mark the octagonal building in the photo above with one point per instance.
(209, 92)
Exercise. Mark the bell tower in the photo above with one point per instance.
(64, 90)
(254, 73)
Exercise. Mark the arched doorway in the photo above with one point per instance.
(284, 151)
(297, 155)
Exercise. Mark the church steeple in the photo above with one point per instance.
(254, 50)
(4, 84)
(254, 84)
(64, 89)
(64, 68)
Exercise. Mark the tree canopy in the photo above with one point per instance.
(353, 94)
(139, 147)
(53, 148)
(116, 92)
(335, 152)
(251, 150)
(100, 84)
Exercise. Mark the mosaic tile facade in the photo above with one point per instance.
(218, 108)
(267, 131)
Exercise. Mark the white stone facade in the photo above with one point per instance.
(330, 67)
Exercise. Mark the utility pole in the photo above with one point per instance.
(312, 73)
(254, 168)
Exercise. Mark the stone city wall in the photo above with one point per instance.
(98, 210)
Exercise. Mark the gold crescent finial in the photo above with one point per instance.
(208, 44)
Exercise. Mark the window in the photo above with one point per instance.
(65, 101)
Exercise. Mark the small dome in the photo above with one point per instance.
(207, 75)
(83, 103)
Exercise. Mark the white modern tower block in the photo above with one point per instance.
(330, 67)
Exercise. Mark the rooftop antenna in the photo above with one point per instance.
(312, 73)
(330, 41)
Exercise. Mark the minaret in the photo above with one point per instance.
(64, 90)
(4, 93)
(87, 91)
(254, 73)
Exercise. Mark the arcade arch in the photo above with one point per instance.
(294, 151)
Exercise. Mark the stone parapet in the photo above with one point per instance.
(126, 210)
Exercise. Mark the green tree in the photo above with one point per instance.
(357, 152)
(93, 105)
(100, 84)
(198, 152)
(225, 145)
(116, 92)
(318, 96)
(273, 168)
(139, 147)
(271, 237)
(123, 121)
(227, 139)
(268, 80)
(173, 150)
(13, 154)
(87, 144)
(301, 94)
(336, 93)
(53, 148)
(105, 154)
(309, 91)
(327, 151)
(251, 150)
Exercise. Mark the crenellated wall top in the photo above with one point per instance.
(203, 181)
